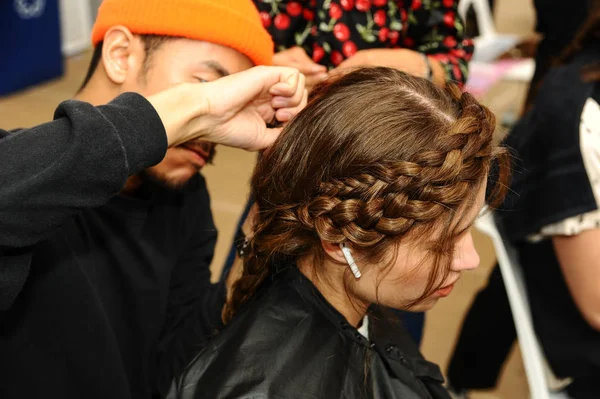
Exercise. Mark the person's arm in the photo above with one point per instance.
(434, 45)
(286, 23)
(576, 238)
(439, 32)
(50, 172)
(86, 154)
(579, 259)
(232, 110)
(80, 160)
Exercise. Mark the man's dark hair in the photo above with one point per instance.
(151, 44)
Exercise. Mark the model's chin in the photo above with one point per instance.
(425, 305)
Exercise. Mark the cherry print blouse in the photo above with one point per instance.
(333, 30)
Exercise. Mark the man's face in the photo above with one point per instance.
(177, 61)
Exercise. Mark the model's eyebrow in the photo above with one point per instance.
(216, 67)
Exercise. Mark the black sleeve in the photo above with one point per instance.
(193, 313)
(51, 171)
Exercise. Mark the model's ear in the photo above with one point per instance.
(334, 252)
(342, 253)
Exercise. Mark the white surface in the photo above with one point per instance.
(75, 26)
(533, 358)
(488, 48)
(522, 72)
(485, 20)
(489, 44)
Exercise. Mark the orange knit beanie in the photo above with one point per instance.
(231, 23)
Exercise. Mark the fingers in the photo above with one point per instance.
(286, 114)
(283, 115)
(307, 65)
(293, 99)
(254, 81)
(261, 92)
(296, 57)
(310, 68)
(288, 83)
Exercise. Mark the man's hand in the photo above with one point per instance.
(296, 57)
(233, 110)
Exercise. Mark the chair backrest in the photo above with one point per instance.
(489, 45)
(533, 358)
(483, 14)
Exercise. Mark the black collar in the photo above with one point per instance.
(387, 336)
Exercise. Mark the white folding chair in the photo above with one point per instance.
(489, 44)
(538, 373)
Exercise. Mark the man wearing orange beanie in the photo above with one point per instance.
(148, 48)
(116, 285)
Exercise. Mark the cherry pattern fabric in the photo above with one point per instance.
(333, 30)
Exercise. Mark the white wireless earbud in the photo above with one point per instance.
(350, 260)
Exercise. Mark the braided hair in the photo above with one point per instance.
(376, 155)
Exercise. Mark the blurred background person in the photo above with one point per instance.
(423, 38)
(475, 363)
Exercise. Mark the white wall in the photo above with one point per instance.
(75, 25)
(94, 4)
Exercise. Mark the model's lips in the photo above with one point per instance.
(445, 291)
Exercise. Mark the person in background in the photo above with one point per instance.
(558, 22)
(475, 364)
(554, 218)
(106, 232)
(422, 37)
(366, 201)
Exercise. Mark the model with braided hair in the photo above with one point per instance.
(367, 198)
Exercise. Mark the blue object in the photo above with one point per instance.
(232, 251)
(414, 323)
(30, 45)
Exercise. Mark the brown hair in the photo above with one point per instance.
(375, 155)
(587, 36)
